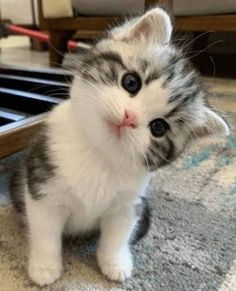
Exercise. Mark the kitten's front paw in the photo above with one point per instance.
(116, 268)
(44, 273)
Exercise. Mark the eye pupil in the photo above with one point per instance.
(131, 82)
(159, 127)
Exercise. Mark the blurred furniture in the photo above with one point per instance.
(26, 95)
(23, 13)
(62, 18)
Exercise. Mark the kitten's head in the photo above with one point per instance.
(137, 97)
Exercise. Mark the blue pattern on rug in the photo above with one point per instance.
(197, 158)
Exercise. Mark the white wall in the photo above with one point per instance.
(18, 11)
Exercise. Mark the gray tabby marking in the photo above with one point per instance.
(38, 163)
(17, 189)
(159, 154)
(102, 68)
(35, 169)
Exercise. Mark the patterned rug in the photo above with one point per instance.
(191, 245)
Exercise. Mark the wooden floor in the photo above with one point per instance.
(16, 50)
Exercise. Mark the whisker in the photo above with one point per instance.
(139, 146)
(159, 154)
(203, 50)
(197, 37)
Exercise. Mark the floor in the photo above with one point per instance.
(16, 50)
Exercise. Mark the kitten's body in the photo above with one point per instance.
(80, 188)
(89, 166)
(83, 182)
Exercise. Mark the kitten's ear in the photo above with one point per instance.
(213, 124)
(154, 25)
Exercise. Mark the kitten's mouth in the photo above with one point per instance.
(116, 129)
(119, 130)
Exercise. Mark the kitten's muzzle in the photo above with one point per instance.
(129, 121)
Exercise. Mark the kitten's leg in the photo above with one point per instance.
(113, 253)
(45, 231)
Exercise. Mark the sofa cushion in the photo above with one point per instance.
(206, 7)
(108, 7)
(57, 8)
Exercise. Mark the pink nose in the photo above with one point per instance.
(129, 119)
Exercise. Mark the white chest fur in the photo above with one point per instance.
(92, 191)
(85, 183)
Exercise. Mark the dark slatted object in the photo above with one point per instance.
(41, 73)
(34, 85)
(26, 95)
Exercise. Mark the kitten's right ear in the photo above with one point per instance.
(212, 124)
(155, 25)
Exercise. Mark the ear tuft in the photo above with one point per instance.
(155, 25)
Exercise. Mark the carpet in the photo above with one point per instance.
(191, 244)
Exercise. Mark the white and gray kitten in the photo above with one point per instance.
(135, 103)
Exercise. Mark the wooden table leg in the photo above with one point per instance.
(58, 46)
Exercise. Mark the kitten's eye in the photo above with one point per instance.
(131, 82)
(159, 127)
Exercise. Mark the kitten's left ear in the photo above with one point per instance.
(213, 124)
(155, 25)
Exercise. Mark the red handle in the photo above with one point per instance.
(37, 34)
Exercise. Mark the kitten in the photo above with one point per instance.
(135, 104)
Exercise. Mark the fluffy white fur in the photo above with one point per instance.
(88, 192)
(99, 178)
